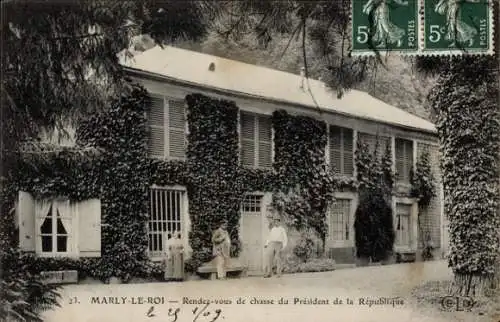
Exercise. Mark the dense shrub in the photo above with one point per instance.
(23, 297)
(295, 265)
(373, 223)
(305, 248)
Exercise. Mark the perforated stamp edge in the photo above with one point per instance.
(381, 52)
(458, 52)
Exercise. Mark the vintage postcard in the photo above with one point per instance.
(203, 161)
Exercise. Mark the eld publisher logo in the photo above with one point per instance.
(457, 303)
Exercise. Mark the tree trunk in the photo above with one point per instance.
(470, 285)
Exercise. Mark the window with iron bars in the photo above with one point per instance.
(165, 218)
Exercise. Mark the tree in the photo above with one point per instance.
(59, 59)
(468, 121)
(465, 102)
(373, 223)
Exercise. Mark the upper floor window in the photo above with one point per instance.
(404, 159)
(341, 150)
(256, 140)
(167, 128)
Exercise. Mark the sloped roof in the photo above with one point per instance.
(234, 76)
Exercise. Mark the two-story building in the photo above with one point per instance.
(169, 74)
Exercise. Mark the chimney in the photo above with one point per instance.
(302, 77)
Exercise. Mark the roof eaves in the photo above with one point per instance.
(158, 76)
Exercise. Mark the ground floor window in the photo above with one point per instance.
(403, 225)
(165, 217)
(55, 221)
(339, 220)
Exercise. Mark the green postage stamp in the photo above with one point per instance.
(385, 25)
(457, 26)
(422, 27)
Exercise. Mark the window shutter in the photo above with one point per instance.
(89, 228)
(336, 148)
(156, 146)
(348, 152)
(26, 218)
(247, 139)
(400, 171)
(408, 159)
(265, 138)
(176, 129)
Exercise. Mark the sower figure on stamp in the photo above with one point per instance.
(221, 247)
(275, 244)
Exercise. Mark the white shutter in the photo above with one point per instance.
(265, 141)
(89, 228)
(400, 165)
(247, 122)
(408, 159)
(348, 155)
(26, 217)
(335, 149)
(156, 144)
(176, 129)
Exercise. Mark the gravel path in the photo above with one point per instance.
(379, 293)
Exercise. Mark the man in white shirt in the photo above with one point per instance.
(274, 246)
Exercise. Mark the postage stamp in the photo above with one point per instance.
(195, 161)
(457, 26)
(384, 25)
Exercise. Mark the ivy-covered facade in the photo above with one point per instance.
(181, 156)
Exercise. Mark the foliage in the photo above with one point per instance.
(60, 57)
(422, 181)
(121, 132)
(468, 123)
(22, 295)
(311, 266)
(423, 188)
(320, 30)
(373, 224)
(304, 249)
(214, 186)
(305, 186)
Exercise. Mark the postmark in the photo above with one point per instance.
(457, 27)
(385, 26)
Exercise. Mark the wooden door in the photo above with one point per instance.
(251, 232)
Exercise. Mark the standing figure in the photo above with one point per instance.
(385, 31)
(275, 243)
(169, 259)
(174, 261)
(178, 257)
(456, 29)
(221, 247)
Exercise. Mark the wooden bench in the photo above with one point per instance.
(406, 257)
(234, 265)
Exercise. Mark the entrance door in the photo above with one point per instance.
(403, 225)
(251, 232)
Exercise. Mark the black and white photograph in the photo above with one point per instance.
(252, 160)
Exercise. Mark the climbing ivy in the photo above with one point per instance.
(215, 189)
(373, 224)
(468, 122)
(423, 188)
(121, 174)
(305, 186)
